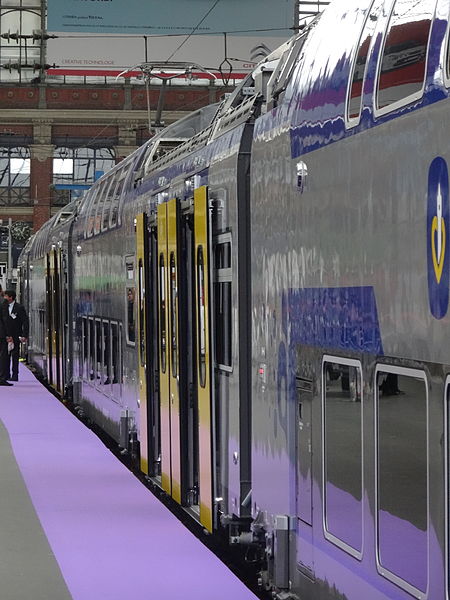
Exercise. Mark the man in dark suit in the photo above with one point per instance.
(5, 338)
(17, 325)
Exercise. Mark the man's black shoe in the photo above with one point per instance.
(5, 383)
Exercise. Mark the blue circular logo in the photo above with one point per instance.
(438, 230)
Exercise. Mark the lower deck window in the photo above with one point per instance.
(402, 475)
(343, 454)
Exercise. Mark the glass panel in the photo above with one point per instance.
(4, 172)
(359, 69)
(201, 316)
(222, 256)
(62, 166)
(404, 60)
(91, 216)
(98, 371)
(173, 315)
(222, 305)
(103, 191)
(141, 314)
(162, 312)
(115, 203)
(84, 349)
(106, 354)
(131, 324)
(91, 357)
(20, 166)
(116, 360)
(107, 204)
(403, 477)
(343, 453)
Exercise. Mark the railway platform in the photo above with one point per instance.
(76, 524)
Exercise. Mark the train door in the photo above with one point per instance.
(147, 274)
(171, 340)
(304, 476)
(185, 391)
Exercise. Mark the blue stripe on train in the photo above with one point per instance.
(335, 319)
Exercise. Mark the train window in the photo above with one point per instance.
(173, 314)
(98, 362)
(142, 357)
(222, 302)
(84, 349)
(286, 65)
(90, 216)
(130, 301)
(402, 476)
(109, 199)
(403, 65)
(116, 201)
(116, 360)
(162, 312)
(98, 206)
(106, 343)
(201, 316)
(91, 348)
(354, 103)
(342, 452)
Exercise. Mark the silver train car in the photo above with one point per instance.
(258, 300)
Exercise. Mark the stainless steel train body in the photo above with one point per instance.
(264, 307)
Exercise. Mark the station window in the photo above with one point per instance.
(354, 104)
(78, 166)
(404, 58)
(402, 476)
(343, 457)
(222, 302)
(130, 301)
(15, 168)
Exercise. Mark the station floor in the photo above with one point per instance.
(76, 524)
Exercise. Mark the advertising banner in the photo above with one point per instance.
(112, 35)
(153, 17)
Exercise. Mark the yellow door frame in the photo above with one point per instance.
(204, 391)
(164, 364)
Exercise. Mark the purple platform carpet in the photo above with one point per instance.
(110, 536)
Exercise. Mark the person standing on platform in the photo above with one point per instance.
(5, 339)
(17, 326)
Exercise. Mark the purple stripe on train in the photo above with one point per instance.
(334, 318)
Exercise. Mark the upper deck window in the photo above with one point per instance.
(403, 65)
(354, 104)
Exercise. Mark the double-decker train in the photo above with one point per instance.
(258, 300)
